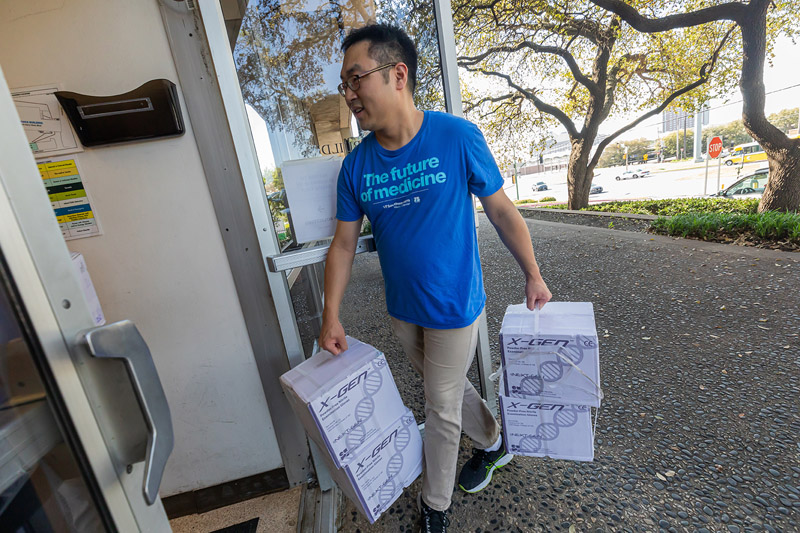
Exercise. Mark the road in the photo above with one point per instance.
(666, 180)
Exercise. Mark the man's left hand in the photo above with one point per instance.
(536, 293)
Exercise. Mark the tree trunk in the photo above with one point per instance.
(579, 176)
(783, 188)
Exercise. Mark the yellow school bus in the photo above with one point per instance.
(747, 153)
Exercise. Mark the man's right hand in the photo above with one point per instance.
(332, 338)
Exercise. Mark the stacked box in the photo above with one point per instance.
(386, 466)
(558, 363)
(547, 430)
(350, 407)
(344, 400)
(550, 380)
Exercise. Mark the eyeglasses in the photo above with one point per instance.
(353, 82)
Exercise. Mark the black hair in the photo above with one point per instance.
(387, 44)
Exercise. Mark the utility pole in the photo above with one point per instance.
(685, 123)
(698, 134)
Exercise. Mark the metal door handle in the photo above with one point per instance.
(121, 340)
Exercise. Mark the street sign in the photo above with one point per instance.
(714, 147)
(713, 151)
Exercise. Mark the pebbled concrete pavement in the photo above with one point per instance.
(700, 366)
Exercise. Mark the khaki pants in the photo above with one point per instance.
(442, 357)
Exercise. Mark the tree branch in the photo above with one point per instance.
(734, 11)
(472, 106)
(569, 59)
(705, 73)
(540, 105)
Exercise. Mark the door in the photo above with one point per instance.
(84, 426)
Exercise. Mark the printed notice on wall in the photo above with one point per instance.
(47, 128)
(311, 191)
(69, 199)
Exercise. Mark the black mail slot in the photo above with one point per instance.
(148, 112)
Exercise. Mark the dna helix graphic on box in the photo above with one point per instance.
(558, 364)
(365, 406)
(388, 491)
(548, 431)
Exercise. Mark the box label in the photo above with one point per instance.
(351, 412)
(547, 430)
(389, 464)
(551, 368)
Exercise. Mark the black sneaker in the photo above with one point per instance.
(433, 521)
(477, 473)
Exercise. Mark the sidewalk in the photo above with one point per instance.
(699, 362)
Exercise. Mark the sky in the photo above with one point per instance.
(781, 79)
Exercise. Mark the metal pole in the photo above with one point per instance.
(685, 121)
(719, 169)
(705, 185)
(447, 50)
(698, 134)
(452, 95)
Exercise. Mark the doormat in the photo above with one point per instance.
(245, 527)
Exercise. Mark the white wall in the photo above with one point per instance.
(160, 261)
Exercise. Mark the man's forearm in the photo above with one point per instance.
(338, 266)
(515, 236)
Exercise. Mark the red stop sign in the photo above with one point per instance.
(714, 147)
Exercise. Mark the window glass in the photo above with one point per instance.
(42, 486)
(288, 58)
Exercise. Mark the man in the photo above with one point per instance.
(413, 177)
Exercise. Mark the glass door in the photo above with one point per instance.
(84, 427)
(44, 483)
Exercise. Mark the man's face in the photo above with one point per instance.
(373, 102)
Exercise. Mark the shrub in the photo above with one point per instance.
(548, 199)
(771, 226)
(676, 206)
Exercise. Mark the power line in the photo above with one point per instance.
(721, 106)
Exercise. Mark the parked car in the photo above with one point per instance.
(633, 174)
(541, 186)
(750, 186)
(596, 189)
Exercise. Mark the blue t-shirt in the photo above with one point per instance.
(418, 201)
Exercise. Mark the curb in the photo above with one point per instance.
(634, 216)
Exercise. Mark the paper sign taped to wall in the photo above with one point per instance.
(311, 192)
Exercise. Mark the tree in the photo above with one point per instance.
(572, 64)
(785, 120)
(732, 133)
(614, 155)
(672, 144)
(759, 21)
(288, 56)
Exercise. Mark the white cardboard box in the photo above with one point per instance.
(385, 466)
(538, 429)
(344, 400)
(536, 356)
